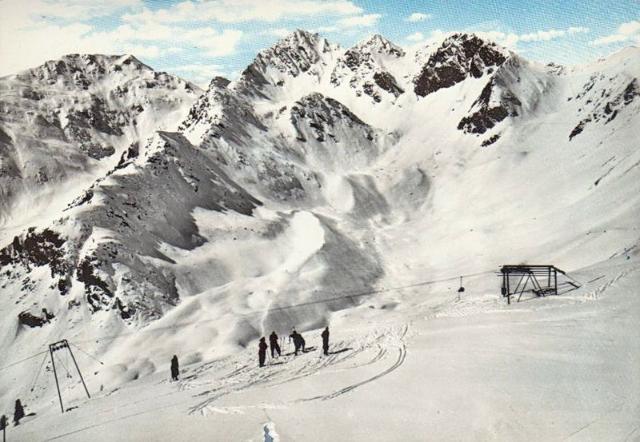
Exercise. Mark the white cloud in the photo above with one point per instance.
(142, 50)
(215, 44)
(630, 28)
(416, 36)
(27, 40)
(199, 73)
(359, 21)
(326, 29)
(420, 40)
(551, 34)
(626, 32)
(509, 40)
(78, 9)
(541, 35)
(238, 11)
(417, 17)
(277, 32)
(577, 30)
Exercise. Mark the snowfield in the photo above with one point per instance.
(402, 367)
(349, 188)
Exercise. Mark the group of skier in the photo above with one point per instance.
(298, 345)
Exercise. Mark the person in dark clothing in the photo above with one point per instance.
(273, 343)
(175, 368)
(298, 341)
(294, 337)
(4, 423)
(18, 413)
(325, 341)
(302, 342)
(262, 351)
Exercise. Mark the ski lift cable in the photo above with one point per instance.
(64, 366)
(33, 384)
(88, 354)
(24, 360)
(344, 295)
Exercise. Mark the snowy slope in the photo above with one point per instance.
(67, 122)
(287, 195)
(430, 367)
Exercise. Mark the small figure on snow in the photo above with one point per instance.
(273, 342)
(298, 341)
(175, 368)
(262, 351)
(18, 413)
(325, 341)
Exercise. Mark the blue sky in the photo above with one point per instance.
(198, 39)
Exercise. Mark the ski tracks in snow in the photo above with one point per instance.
(241, 373)
(401, 356)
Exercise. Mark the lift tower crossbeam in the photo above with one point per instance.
(61, 346)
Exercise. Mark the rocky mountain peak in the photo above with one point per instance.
(301, 52)
(93, 67)
(459, 57)
(219, 82)
(377, 44)
(365, 68)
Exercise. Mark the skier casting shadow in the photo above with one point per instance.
(325, 341)
(273, 342)
(262, 351)
(298, 341)
(18, 413)
(175, 368)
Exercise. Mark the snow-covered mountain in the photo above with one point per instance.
(66, 123)
(364, 68)
(318, 175)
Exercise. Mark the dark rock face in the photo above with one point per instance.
(360, 67)
(322, 114)
(388, 83)
(497, 100)
(606, 105)
(219, 82)
(97, 290)
(480, 122)
(487, 116)
(30, 320)
(36, 248)
(579, 128)
(491, 140)
(39, 248)
(461, 56)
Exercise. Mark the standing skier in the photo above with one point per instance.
(298, 341)
(4, 423)
(273, 342)
(18, 413)
(175, 369)
(262, 351)
(325, 341)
